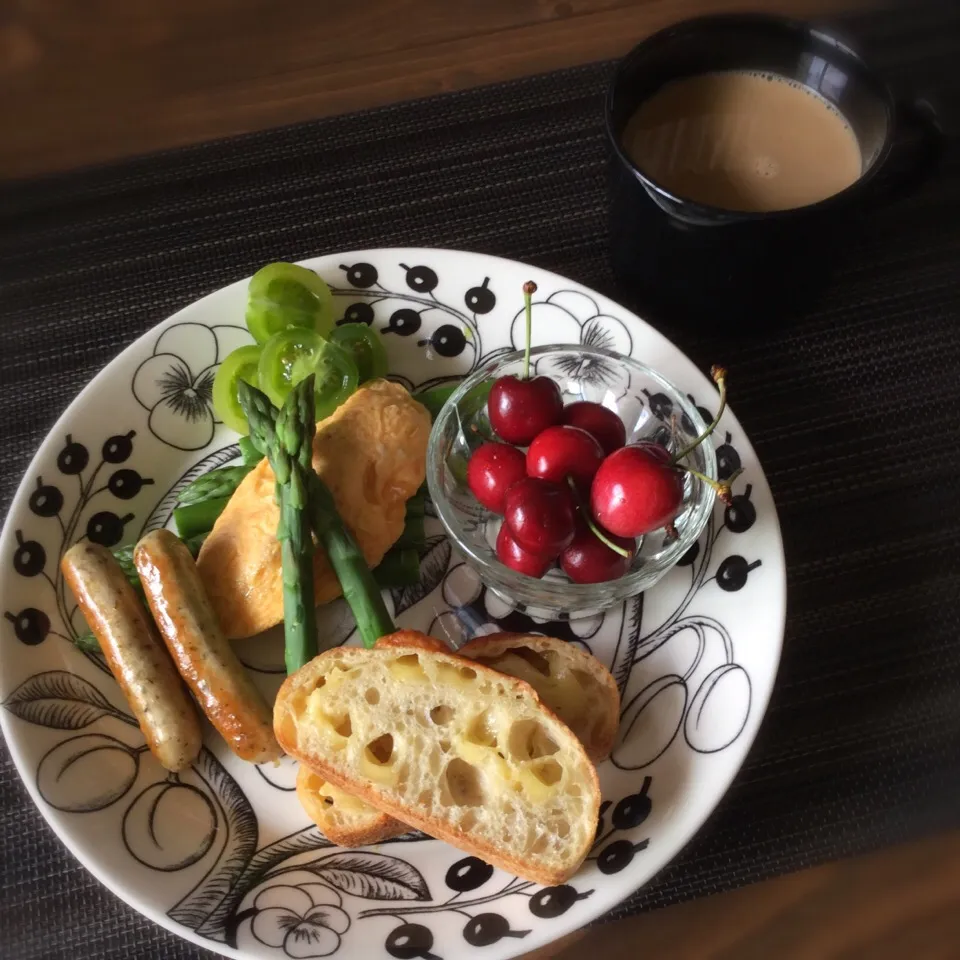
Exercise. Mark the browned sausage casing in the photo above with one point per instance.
(135, 654)
(201, 652)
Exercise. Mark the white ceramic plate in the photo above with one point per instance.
(223, 854)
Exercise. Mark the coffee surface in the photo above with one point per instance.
(744, 141)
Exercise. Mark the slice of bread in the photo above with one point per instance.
(450, 747)
(572, 683)
(575, 685)
(345, 820)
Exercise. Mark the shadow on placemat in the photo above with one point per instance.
(854, 413)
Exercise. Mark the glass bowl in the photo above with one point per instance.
(651, 408)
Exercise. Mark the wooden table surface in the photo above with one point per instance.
(98, 80)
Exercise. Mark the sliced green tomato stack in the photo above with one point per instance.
(290, 314)
(365, 346)
(284, 295)
(239, 365)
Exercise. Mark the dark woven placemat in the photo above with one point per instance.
(854, 411)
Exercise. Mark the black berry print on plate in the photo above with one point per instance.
(421, 279)
(409, 941)
(741, 515)
(660, 405)
(489, 928)
(447, 340)
(468, 874)
(29, 558)
(619, 855)
(690, 557)
(357, 313)
(728, 460)
(403, 322)
(106, 528)
(632, 810)
(118, 449)
(733, 572)
(553, 902)
(73, 458)
(361, 275)
(126, 484)
(480, 299)
(46, 500)
(30, 625)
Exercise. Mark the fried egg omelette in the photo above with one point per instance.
(371, 452)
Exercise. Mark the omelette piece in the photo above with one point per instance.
(371, 452)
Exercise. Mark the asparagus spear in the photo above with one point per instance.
(287, 440)
(250, 454)
(221, 482)
(359, 586)
(195, 519)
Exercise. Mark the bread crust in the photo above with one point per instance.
(300, 684)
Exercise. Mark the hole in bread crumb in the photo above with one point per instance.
(468, 673)
(560, 827)
(529, 741)
(583, 678)
(327, 801)
(481, 730)
(536, 660)
(468, 821)
(425, 798)
(381, 749)
(445, 746)
(548, 772)
(321, 682)
(372, 696)
(441, 714)
(465, 783)
(541, 844)
(342, 724)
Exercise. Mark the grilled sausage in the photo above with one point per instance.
(202, 653)
(135, 654)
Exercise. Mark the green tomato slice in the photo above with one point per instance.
(285, 295)
(337, 378)
(286, 358)
(239, 365)
(367, 348)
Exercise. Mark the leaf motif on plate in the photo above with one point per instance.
(240, 841)
(60, 700)
(373, 876)
(433, 566)
(216, 923)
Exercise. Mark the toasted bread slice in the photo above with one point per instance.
(449, 746)
(575, 685)
(346, 820)
(572, 683)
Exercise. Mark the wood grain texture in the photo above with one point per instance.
(901, 904)
(87, 82)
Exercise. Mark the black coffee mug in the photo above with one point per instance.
(702, 265)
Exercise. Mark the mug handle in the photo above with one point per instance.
(918, 142)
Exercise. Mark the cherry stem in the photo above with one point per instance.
(720, 487)
(719, 376)
(594, 529)
(529, 289)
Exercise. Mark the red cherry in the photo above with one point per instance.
(599, 421)
(589, 560)
(492, 470)
(512, 555)
(540, 515)
(559, 452)
(636, 490)
(520, 409)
